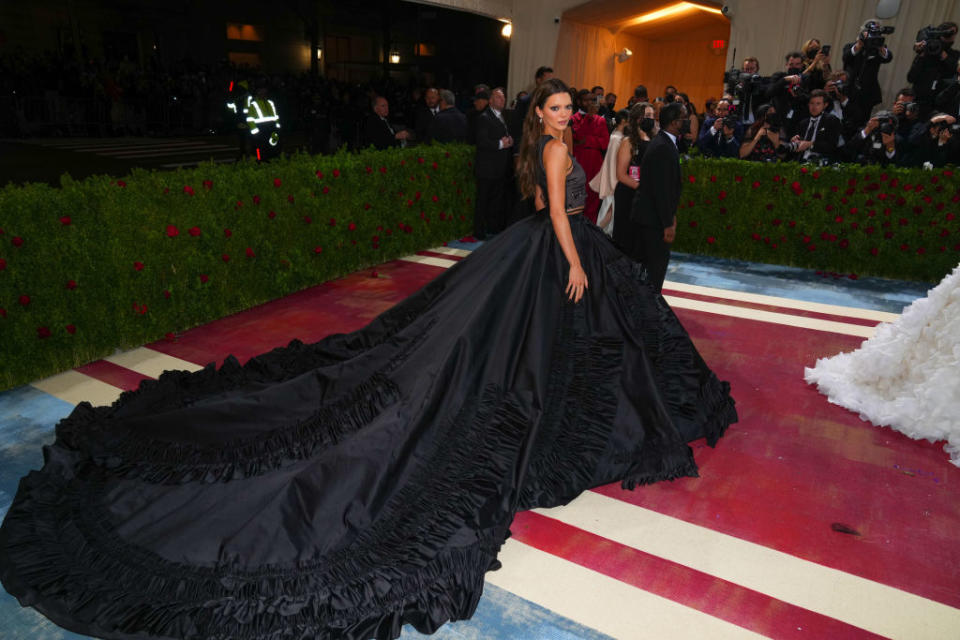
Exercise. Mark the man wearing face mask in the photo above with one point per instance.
(787, 92)
(654, 210)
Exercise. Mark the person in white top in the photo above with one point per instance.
(605, 182)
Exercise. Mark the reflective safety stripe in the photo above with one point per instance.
(255, 131)
(232, 106)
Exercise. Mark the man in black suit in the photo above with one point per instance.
(426, 113)
(653, 218)
(493, 167)
(861, 61)
(948, 100)
(449, 125)
(818, 136)
(378, 131)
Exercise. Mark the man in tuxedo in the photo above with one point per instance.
(378, 131)
(493, 167)
(481, 100)
(426, 113)
(449, 125)
(652, 222)
(818, 135)
(862, 64)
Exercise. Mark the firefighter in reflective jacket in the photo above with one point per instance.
(263, 124)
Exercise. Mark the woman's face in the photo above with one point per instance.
(557, 111)
(648, 112)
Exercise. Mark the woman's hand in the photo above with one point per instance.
(577, 283)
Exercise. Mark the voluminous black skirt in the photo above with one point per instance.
(344, 488)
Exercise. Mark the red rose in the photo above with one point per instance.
(950, 216)
(874, 251)
(325, 189)
(854, 225)
(844, 243)
(904, 246)
(692, 223)
(366, 205)
(947, 173)
(71, 284)
(194, 231)
(208, 184)
(816, 175)
(277, 182)
(71, 329)
(944, 233)
(351, 226)
(138, 265)
(3, 264)
(24, 300)
(204, 278)
(369, 169)
(435, 199)
(692, 179)
(166, 190)
(755, 236)
(307, 219)
(838, 219)
(318, 250)
(17, 241)
(250, 253)
(333, 222)
(776, 222)
(65, 221)
(793, 223)
(187, 189)
(722, 195)
(225, 257)
(921, 251)
(172, 231)
(239, 204)
(290, 199)
(433, 166)
(336, 173)
(806, 239)
(121, 183)
(803, 170)
(166, 294)
(796, 186)
(272, 215)
(888, 235)
(3, 312)
(713, 178)
(227, 233)
(383, 169)
(43, 332)
(319, 174)
(903, 222)
(811, 247)
(256, 199)
(409, 203)
(711, 240)
(756, 183)
(420, 160)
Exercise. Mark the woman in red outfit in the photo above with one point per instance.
(590, 139)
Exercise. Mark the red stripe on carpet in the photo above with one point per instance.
(719, 598)
(772, 307)
(437, 254)
(114, 374)
(795, 464)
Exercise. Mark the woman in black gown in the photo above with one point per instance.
(345, 488)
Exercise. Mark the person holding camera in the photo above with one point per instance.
(721, 133)
(876, 143)
(941, 145)
(948, 100)
(816, 61)
(787, 92)
(762, 139)
(842, 105)
(747, 88)
(862, 60)
(933, 63)
(819, 134)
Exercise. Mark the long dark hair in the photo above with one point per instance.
(532, 130)
(632, 130)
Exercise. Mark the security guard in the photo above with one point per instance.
(263, 123)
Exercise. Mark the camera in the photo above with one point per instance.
(929, 39)
(942, 125)
(772, 120)
(839, 85)
(825, 49)
(911, 108)
(873, 36)
(730, 122)
(888, 122)
(727, 10)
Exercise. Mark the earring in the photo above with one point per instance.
(540, 119)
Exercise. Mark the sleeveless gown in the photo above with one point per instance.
(907, 376)
(345, 488)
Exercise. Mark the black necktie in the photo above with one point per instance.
(811, 128)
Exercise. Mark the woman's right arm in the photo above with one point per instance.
(624, 153)
(555, 161)
(747, 147)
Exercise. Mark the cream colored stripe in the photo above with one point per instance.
(151, 363)
(876, 607)
(771, 316)
(450, 251)
(603, 603)
(75, 387)
(430, 260)
(788, 303)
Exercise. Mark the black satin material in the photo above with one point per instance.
(345, 488)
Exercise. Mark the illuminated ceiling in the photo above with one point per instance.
(649, 19)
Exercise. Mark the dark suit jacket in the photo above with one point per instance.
(492, 162)
(376, 132)
(948, 100)
(422, 122)
(828, 134)
(862, 73)
(449, 125)
(657, 196)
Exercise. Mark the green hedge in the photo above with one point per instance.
(104, 264)
(850, 220)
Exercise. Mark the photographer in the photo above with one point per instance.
(763, 137)
(876, 143)
(816, 64)
(721, 133)
(786, 92)
(842, 105)
(819, 134)
(934, 63)
(747, 87)
(862, 60)
(948, 100)
(911, 128)
(941, 145)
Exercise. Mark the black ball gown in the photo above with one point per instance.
(345, 488)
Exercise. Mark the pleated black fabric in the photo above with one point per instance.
(345, 488)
